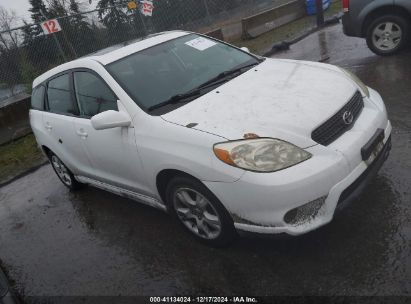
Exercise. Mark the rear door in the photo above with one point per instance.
(112, 152)
(58, 123)
(36, 114)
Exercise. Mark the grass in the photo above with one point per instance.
(263, 43)
(19, 156)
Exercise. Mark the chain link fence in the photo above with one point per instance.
(26, 52)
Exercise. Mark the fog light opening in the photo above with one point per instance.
(304, 213)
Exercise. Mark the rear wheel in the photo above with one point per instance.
(199, 211)
(388, 34)
(63, 173)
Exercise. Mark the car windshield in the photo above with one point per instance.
(156, 75)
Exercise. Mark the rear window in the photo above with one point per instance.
(37, 98)
(59, 96)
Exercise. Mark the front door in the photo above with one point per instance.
(112, 152)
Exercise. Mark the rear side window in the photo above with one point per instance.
(37, 98)
(59, 96)
(93, 94)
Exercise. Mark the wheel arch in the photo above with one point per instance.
(46, 150)
(165, 176)
(381, 11)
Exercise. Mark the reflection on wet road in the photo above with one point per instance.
(54, 242)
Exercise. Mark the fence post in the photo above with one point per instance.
(73, 51)
(207, 11)
(320, 13)
(137, 12)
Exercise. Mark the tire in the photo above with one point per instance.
(388, 34)
(63, 173)
(199, 212)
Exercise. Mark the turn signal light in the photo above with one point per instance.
(224, 156)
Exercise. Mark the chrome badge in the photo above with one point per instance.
(348, 117)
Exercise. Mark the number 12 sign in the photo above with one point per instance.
(51, 26)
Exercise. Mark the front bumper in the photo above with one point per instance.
(357, 187)
(258, 202)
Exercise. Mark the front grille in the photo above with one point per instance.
(336, 126)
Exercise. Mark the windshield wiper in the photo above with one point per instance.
(224, 76)
(186, 97)
(179, 98)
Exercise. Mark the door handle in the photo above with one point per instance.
(48, 126)
(82, 133)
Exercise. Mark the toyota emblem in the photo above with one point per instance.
(348, 117)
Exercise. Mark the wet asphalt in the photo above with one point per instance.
(54, 242)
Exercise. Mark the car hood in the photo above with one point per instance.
(283, 99)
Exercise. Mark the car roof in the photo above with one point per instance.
(114, 53)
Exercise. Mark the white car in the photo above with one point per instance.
(224, 140)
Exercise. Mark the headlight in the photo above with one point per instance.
(261, 155)
(358, 81)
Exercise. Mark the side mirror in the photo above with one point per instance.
(110, 119)
(245, 49)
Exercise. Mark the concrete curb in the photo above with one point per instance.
(24, 173)
(285, 45)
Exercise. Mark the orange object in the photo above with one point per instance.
(250, 136)
(132, 5)
(224, 156)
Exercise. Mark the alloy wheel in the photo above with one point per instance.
(387, 36)
(61, 171)
(197, 213)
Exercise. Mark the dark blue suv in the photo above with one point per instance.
(384, 23)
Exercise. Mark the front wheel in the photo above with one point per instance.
(388, 34)
(199, 211)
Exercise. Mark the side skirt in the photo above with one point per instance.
(147, 200)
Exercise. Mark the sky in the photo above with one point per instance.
(21, 7)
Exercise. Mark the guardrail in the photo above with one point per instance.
(258, 24)
(14, 118)
(217, 33)
(268, 20)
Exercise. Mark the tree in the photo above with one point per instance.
(114, 16)
(41, 50)
(8, 20)
(9, 49)
(38, 12)
(28, 72)
(78, 31)
(168, 14)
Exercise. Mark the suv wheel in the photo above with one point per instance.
(199, 211)
(63, 173)
(387, 34)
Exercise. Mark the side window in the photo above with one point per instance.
(59, 95)
(37, 98)
(93, 94)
